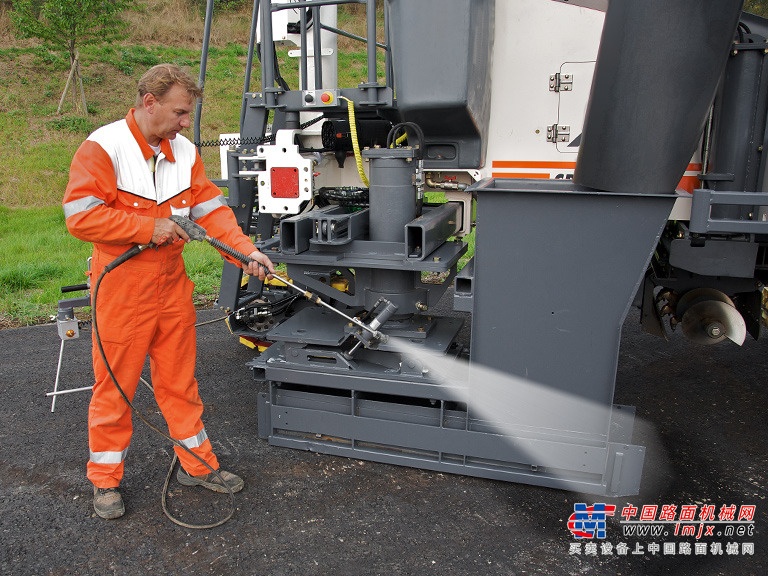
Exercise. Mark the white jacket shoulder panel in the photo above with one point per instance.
(134, 173)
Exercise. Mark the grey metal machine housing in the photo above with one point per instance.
(543, 249)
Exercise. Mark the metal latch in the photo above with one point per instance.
(558, 133)
(561, 82)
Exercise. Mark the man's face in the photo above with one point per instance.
(171, 114)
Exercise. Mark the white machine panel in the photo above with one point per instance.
(286, 182)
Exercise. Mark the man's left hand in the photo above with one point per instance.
(259, 266)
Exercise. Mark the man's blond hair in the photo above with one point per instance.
(159, 79)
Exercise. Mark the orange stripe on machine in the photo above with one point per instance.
(564, 170)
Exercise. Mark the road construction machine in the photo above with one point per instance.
(466, 226)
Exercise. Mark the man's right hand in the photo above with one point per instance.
(167, 232)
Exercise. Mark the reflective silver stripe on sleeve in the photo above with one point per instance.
(208, 206)
(81, 205)
(108, 457)
(196, 440)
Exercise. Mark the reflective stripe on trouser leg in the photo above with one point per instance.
(108, 457)
(200, 445)
(105, 469)
(196, 440)
(172, 361)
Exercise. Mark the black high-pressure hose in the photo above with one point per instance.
(127, 255)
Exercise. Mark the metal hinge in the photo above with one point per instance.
(558, 133)
(560, 82)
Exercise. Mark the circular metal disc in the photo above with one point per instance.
(703, 320)
(699, 295)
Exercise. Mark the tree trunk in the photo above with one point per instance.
(75, 80)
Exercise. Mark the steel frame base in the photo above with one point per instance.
(417, 423)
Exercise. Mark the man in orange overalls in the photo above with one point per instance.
(125, 181)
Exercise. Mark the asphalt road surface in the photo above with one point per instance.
(703, 419)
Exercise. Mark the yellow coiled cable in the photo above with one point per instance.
(355, 143)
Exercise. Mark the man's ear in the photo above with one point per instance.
(148, 101)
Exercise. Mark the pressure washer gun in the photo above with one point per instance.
(367, 334)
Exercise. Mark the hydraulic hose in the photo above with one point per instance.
(127, 255)
(393, 139)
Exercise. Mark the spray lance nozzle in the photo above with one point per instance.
(369, 334)
(382, 311)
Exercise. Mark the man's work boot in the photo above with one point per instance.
(108, 503)
(212, 481)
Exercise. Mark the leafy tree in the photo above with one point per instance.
(66, 25)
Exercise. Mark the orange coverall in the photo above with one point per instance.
(116, 189)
